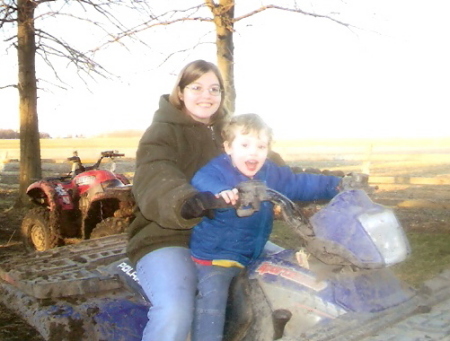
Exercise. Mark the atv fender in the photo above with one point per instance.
(121, 195)
(56, 196)
(123, 178)
(116, 203)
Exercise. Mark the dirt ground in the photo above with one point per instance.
(420, 208)
(12, 328)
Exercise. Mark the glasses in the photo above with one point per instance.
(197, 89)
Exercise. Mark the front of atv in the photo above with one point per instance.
(105, 202)
(92, 290)
(54, 215)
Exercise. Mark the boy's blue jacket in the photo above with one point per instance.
(230, 237)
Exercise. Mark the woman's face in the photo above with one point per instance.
(202, 97)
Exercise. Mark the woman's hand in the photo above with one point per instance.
(199, 205)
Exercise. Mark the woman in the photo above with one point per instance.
(183, 137)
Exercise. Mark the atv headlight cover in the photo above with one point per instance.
(387, 234)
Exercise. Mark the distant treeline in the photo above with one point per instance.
(9, 134)
(122, 133)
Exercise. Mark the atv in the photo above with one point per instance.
(88, 202)
(339, 274)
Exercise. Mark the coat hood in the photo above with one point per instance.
(167, 113)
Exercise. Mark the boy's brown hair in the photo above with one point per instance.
(245, 124)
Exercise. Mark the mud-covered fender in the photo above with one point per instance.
(122, 194)
(123, 178)
(54, 193)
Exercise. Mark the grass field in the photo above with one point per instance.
(60, 149)
(420, 150)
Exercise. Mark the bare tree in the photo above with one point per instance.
(224, 19)
(30, 152)
(31, 41)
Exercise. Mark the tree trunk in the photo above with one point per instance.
(30, 151)
(223, 19)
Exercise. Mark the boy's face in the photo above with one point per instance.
(248, 152)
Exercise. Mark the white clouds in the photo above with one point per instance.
(387, 80)
(302, 74)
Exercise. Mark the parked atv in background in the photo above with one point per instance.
(91, 292)
(87, 203)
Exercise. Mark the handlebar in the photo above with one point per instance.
(111, 153)
(253, 192)
(357, 181)
(78, 167)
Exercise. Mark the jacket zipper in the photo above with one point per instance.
(213, 135)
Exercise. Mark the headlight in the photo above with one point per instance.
(387, 234)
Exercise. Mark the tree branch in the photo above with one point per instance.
(263, 8)
(164, 19)
(9, 86)
(82, 61)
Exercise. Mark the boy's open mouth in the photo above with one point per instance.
(251, 165)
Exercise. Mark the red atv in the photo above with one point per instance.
(87, 203)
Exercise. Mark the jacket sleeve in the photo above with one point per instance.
(303, 186)
(209, 178)
(160, 187)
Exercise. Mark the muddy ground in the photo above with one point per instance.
(12, 328)
(420, 208)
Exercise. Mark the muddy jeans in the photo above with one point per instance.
(213, 285)
(169, 279)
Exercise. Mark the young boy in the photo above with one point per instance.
(222, 246)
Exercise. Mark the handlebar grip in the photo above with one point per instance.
(111, 153)
(220, 203)
(241, 209)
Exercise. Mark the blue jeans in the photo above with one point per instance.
(169, 279)
(211, 303)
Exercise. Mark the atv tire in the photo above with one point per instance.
(109, 226)
(37, 232)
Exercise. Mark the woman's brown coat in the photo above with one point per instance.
(171, 150)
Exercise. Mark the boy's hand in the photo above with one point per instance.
(355, 181)
(230, 196)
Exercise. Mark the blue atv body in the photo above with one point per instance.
(89, 291)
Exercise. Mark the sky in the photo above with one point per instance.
(307, 77)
